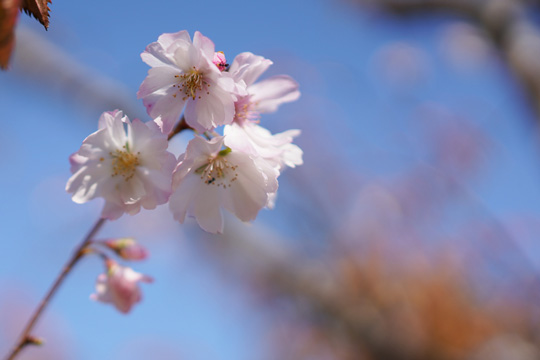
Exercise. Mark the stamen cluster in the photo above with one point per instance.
(124, 163)
(218, 172)
(191, 83)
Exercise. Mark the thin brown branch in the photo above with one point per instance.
(180, 126)
(463, 7)
(26, 337)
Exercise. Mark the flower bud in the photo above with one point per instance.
(220, 61)
(127, 248)
(33, 340)
(119, 286)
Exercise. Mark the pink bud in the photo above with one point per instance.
(127, 248)
(119, 286)
(220, 61)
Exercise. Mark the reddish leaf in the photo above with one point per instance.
(9, 11)
(39, 9)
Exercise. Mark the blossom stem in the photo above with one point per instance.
(26, 337)
(181, 126)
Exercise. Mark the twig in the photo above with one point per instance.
(26, 337)
(181, 126)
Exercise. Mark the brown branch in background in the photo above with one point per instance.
(48, 67)
(505, 21)
(180, 126)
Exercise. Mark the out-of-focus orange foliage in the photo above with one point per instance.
(428, 307)
(381, 311)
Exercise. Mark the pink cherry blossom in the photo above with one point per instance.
(128, 169)
(183, 73)
(264, 96)
(209, 178)
(119, 286)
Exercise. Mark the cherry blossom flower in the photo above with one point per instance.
(183, 73)
(265, 96)
(128, 169)
(208, 178)
(119, 286)
(127, 248)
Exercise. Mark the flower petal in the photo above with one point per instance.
(248, 67)
(160, 53)
(270, 93)
(158, 78)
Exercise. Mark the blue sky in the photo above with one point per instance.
(334, 51)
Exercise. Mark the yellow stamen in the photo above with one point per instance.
(190, 83)
(218, 171)
(124, 163)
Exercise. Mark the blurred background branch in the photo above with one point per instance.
(45, 65)
(511, 25)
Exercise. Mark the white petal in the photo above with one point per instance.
(112, 211)
(248, 67)
(168, 40)
(158, 78)
(211, 110)
(207, 208)
(183, 196)
(270, 93)
(292, 155)
(86, 183)
(186, 56)
(77, 161)
(204, 44)
(257, 141)
(164, 108)
(108, 117)
(102, 290)
(131, 191)
(161, 53)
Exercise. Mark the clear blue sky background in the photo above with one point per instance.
(331, 49)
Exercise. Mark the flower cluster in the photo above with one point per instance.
(189, 86)
(127, 163)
